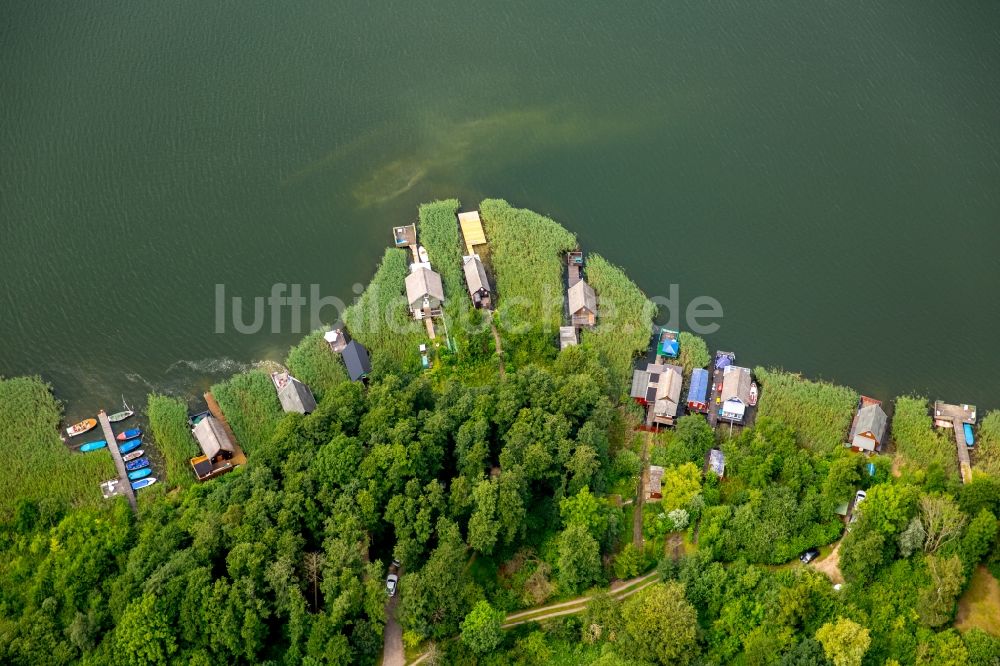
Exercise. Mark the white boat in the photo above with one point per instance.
(753, 394)
(422, 253)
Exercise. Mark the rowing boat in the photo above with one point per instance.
(81, 427)
(122, 415)
(129, 445)
(129, 434)
(142, 483)
(93, 446)
(133, 455)
(139, 474)
(133, 465)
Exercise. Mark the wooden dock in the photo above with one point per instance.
(125, 486)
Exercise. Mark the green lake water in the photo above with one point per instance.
(830, 172)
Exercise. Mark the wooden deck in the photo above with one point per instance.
(964, 464)
(239, 458)
(124, 485)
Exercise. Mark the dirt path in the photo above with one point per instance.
(496, 342)
(830, 565)
(618, 590)
(393, 653)
(640, 496)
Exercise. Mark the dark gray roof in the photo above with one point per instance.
(640, 381)
(296, 397)
(475, 275)
(871, 418)
(356, 359)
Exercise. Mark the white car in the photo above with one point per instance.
(859, 497)
(390, 584)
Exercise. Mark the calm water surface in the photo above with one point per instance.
(829, 171)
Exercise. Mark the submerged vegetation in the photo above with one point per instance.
(37, 463)
(625, 319)
(820, 412)
(168, 424)
(381, 321)
(498, 493)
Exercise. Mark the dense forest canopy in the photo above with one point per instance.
(503, 479)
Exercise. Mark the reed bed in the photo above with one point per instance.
(917, 441)
(312, 362)
(168, 423)
(438, 232)
(527, 252)
(819, 412)
(381, 321)
(625, 319)
(987, 451)
(250, 405)
(37, 463)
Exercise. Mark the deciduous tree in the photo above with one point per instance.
(845, 642)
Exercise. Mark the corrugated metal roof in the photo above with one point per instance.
(871, 418)
(698, 392)
(422, 283)
(296, 397)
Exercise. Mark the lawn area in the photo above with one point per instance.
(980, 605)
(625, 319)
(168, 424)
(250, 405)
(312, 362)
(37, 464)
(380, 320)
(819, 412)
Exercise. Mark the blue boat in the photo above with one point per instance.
(139, 474)
(93, 446)
(130, 445)
(137, 464)
(142, 483)
(970, 437)
(129, 434)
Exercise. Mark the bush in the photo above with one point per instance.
(916, 440)
(694, 352)
(250, 405)
(381, 321)
(312, 362)
(168, 423)
(819, 412)
(625, 319)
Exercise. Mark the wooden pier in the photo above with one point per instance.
(123, 481)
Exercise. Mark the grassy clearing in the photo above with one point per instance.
(987, 450)
(919, 444)
(381, 321)
(527, 254)
(625, 321)
(819, 412)
(979, 606)
(250, 405)
(37, 464)
(168, 423)
(312, 362)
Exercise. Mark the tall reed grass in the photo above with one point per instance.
(819, 412)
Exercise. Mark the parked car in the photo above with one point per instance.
(809, 555)
(390, 584)
(859, 497)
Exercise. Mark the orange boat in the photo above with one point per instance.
(81, 427)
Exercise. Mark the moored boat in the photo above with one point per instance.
(129, 434)
(93, 446)
(129, 445)
(139, 474)
(422, 255)
(122, 415)
(81, 427)
(137, 464)
(142, 483)
(133, 455)
(753, 394)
